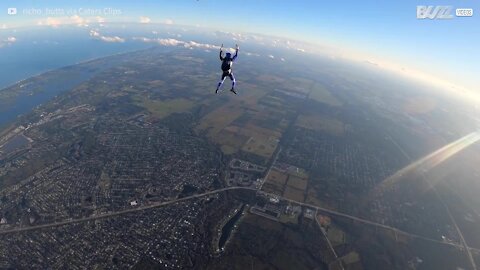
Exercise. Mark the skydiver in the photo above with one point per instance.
(227, 63)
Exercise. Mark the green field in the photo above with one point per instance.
(297, 182)
(336, 236)
(321, 123)
(163, 108)
(321, 94)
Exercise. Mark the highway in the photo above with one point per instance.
(419, 163)
(196, 196)
(122, 212)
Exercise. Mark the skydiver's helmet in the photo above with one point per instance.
(229, 55)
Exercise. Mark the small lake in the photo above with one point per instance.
(25, 103)
(228, 228)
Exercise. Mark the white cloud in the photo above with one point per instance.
(94, 33)
(252, 54)
(257, 38)
(49, 21)
(4, 26)
(282, 59)
(57, 21)
(144, 19)
(52, 42)
(79, 20)
(155, 32)
(161, 41)
(144, 39)
(200, 45)
(168, 21)
(265, 40)
(169, 41)
(271, 56)
(186, 44)
(98, 36)
(100, 19)
(174, 35)
(112, 39)
(176, 42)
(233, 36)
(7, 41)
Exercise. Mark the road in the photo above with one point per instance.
(196, 196)
(459, 232)
(271, 167)
(447, 209)
(369, 222)
(122, 212)
(328, 241)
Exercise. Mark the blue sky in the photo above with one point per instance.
(384, 30)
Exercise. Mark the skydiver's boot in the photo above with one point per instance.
(218, 86)
(233, 86)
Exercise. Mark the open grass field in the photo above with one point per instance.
(277, 178)
(251, 139)
(335, 235)
(350, 258)
(163, 108)
(219, 119)
(297, 172)
(312, 198)
(261, 146)
(321, 123)
(321, 94)
(230, 140)
(259, 131)
(288, 219)
(297, 182)
(271, 79)
(291, 183)
(275, 182)
(248, 136)
(105, 182)
(294, 194)
(296, 85)
(189, 59)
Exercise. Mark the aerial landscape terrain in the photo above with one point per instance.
(266, 135)
(139, 164)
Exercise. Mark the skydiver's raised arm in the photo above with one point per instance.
(236, 54)
(221, 57)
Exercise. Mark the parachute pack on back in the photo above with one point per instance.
(227, 64)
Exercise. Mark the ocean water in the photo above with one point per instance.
(38, 50)
(42, 49)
